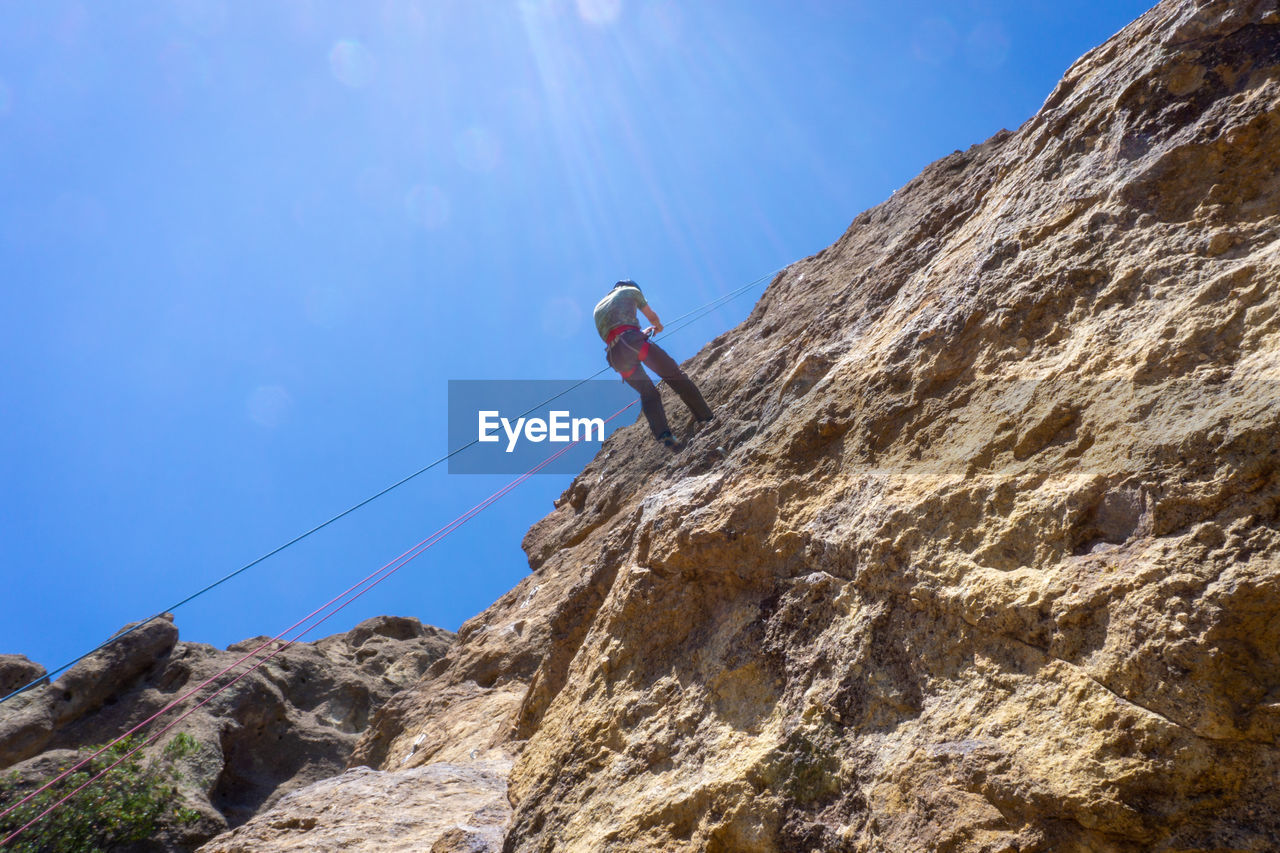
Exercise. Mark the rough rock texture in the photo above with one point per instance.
(440, 808)
(290, 722)
(982, 551)
(17, 671)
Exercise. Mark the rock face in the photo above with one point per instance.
(981, 553)
(292, 721)
(17, 671)
(439, 808)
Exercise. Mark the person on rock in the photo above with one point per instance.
(628, 348)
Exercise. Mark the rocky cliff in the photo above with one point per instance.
(291, 722)
(981, 553)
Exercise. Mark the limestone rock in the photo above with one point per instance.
(438, 808)
(292, 721)
(17, 671)
(88, 684)
(990, 561)
(981, 553)
(28, 721)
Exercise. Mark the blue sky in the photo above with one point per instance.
(244, 246)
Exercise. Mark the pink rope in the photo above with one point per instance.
(369, 582)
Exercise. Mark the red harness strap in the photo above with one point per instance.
(617, 330)
(641, 353)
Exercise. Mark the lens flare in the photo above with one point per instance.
(427, 207)
(203, 17)
(183, 72)
(73, 25)
(934, 41)
(407, 19)
(351, 63)
(478, 150)
(269, 405)
(663, 21)
(324, 307)
(522, 107)
(83, 216)
(303, 16)
(537, 7)
(561, 317)
(987, 46)
(376, 186)
(599, 11)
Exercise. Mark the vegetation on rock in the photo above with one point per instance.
(126, 805)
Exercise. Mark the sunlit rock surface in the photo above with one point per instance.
(439, 808)
(981, 552)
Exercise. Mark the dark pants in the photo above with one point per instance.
(626, 354)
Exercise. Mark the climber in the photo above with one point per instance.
(627, 347)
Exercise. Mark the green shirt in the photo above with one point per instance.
(618, 309)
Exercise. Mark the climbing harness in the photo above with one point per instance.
(616, 338)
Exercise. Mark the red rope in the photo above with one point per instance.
(368, 582)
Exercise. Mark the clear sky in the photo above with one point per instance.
(244, 246)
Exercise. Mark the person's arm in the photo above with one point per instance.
(652, 317)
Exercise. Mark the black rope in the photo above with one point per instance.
(701, 312)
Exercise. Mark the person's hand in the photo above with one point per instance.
(651, 331)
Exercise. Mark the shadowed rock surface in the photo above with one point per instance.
(981, 553)
(292, 721)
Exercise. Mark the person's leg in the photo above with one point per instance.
(666, 367)
(624, 357)
(650, 401)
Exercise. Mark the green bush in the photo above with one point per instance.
(127, 804)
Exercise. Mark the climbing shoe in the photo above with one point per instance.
(668, 439)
